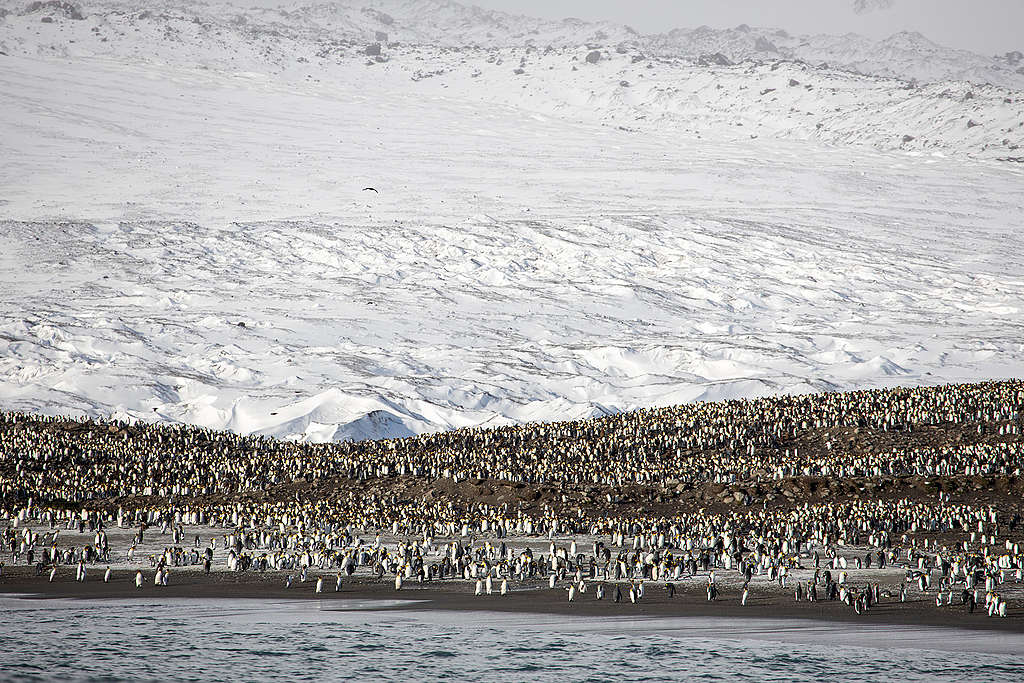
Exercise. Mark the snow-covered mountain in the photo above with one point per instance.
(566, 219)
(736, 84)
(119, 27)
(905, 55)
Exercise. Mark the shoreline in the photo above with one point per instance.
(448, 596)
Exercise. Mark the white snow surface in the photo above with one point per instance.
(546, 245)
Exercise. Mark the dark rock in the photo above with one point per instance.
(593, 57)
(68, 9)
(383, 18)
(717, 59)
(908, 138)
(971, 123)
(793, 82)
(372, 50)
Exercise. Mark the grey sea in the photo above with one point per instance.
(267, 640)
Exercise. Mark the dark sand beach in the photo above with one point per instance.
(689, 600)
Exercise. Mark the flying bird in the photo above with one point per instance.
(374, 189)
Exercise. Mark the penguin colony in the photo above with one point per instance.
(805, 482)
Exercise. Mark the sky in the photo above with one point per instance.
(985, 26)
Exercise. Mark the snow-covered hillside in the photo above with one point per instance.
(188, 237)
(219, 28)
(687, 81)
(904, 55)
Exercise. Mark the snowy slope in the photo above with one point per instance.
(216, 30)
(542, 66)
(188, 238)
(905, 55)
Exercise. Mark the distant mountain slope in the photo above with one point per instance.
(685, 80)
(447, 24)
(907, 56)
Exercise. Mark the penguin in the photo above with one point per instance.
(106, 575)
(504, 586)
(53, 573)
(398, 581)
(479, 587)
(138, 579)
(319, 585)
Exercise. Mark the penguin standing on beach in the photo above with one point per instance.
(106, 575)
(138, 579)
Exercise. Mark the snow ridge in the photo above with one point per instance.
(448, 24)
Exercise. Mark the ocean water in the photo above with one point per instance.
(253, 640)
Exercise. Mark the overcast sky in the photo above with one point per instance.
(985, 26)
